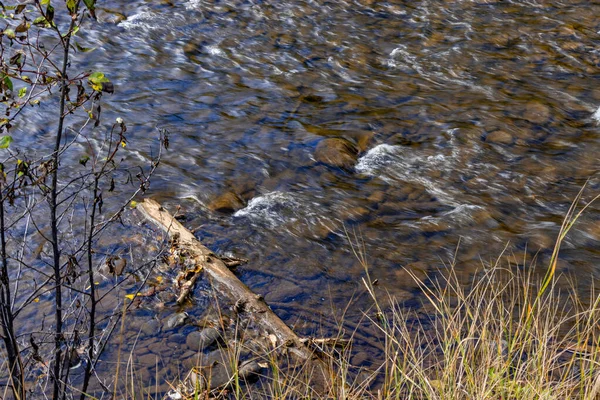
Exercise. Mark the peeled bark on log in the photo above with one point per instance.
(248, 303)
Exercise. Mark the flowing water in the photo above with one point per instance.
(477, 123)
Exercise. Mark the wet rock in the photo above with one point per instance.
(504, 39)
(176, 320)
(284, 41)
(357, 213)
(109, 16)
(365, 140)
(284, 291)
(214, 369)
(376, 197)
(499, 137)
(151, 327)
(361, 358)
(212, 377)
(199, 340)
(248, 369)
(194, 47)
(147, 359)
(435, 226)
(409, 275)
(337, 152)
(228, 202)
(537, 113)
(525, 136)
(244, 185)
(320, 230)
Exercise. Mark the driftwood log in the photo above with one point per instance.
(226, 283)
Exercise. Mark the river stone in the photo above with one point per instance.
(248, 369)
(199, 340)
(499, 137)
(212, 377)
(365, 140)
(215, 368)
(194, 47)
(109, 16)
(147, 359)
(537, 113)
(337, 152)
(376, 197)
(176, 320)
(228, 202)
(151, 327)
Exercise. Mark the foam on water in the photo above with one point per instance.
(596, 115)
(143, 20)
(396, 164)
(376, 158)
(193, 4)
(274, 208)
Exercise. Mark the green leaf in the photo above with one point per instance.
(91, 6)
(22, 92)
(83, 160)
(96, 80)
(5, 141)
(42, 22)
(82, 49)
(9, 33)
(49, 13)
(45, 2)
(8, 83)
(23, 27)
(71, 4)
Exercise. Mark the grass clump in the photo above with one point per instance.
(510, 334)
(496, 339)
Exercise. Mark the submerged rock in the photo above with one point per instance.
(499, 137)
(248, 369)
(337, 152)
(228, 202)
(365, 140)
(537, 113)
(110, 16)
(176, 320)
(199, 340)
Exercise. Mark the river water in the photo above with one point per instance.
(477, 124)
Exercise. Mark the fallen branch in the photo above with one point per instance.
(247, 303)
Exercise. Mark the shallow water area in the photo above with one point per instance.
(476, 123)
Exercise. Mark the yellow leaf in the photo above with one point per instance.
(36, 300)
(133, 204)
(130, 296)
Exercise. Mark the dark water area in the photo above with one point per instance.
(475, 125)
